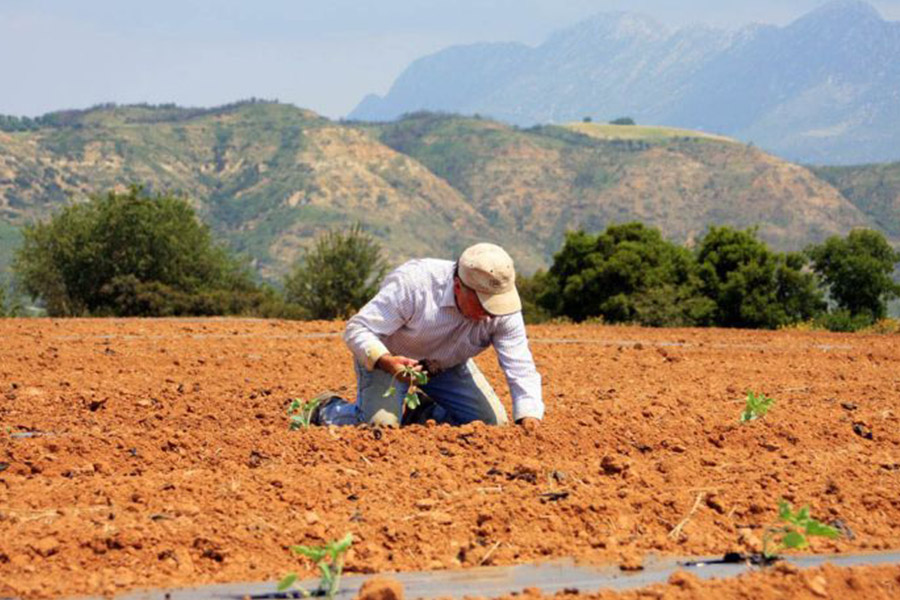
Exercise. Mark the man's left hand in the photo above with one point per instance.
(529, 423)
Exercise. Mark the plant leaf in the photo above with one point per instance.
(784, 510)
(412, 400)
(794, 539)
(820, 529)
(312, 553)
(287, 582)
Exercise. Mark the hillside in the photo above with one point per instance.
(821, 90)
(539, 182)
(874, 189)
(267, 177)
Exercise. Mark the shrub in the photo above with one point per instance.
(857, 270)
(338, 276)
(130, 254)
(628, 273)
(844, 321)
(751, 285)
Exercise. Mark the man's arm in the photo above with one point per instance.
(384, 314)
(511, 345)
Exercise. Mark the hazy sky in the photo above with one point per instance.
(319, 54)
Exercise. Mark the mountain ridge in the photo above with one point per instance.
(821, 89)
(269, 177)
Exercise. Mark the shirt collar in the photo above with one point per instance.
(447, 298)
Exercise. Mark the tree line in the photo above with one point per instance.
(730, 278)
(136, 254)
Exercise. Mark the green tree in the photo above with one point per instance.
(531, 288)
(622, 121)
(627, 273)
(751, 285)
(129, 254)
(338, 276)
(857, 271)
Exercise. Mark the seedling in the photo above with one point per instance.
(416, 379)
(330, 561)
(301, 412)
(757, 406)
(794, 531)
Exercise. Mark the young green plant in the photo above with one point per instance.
(417, 379)
(330, 561)
(757, 405)
(793, 531)
(301, 412)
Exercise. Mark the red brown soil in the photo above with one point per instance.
(381, 588)
(782, 581)
(167, 459)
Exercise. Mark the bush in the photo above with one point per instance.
(130, 254)
(622, 121)
(628, 273)
(858, 272)
(844, 321)
(530, 289)
(751, 285)
(338, 276)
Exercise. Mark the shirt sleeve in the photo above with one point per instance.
(514, 356)
(384, 314)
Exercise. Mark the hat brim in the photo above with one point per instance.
(500, 305)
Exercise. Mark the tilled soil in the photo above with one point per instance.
(139, 453)
(781, 581)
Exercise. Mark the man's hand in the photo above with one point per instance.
(529, 423)
(392, 365)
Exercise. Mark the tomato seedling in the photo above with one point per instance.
(301, 412)
(756, 406)
(794, 530)
(330, 561)
(417, 379)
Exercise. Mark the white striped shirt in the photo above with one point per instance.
(414, 314)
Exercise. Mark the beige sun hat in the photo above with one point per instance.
(489, 270)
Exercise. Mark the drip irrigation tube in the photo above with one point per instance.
(497, 581)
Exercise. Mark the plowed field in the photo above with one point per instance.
(141, 453)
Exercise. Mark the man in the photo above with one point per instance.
(435, 315)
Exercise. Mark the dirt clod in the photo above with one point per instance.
(381, 588)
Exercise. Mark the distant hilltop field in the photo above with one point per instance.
(820, 90)
(267, 177)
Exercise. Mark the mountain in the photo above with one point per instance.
(823, 89)
(268, 177)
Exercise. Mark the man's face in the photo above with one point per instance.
(468, 303)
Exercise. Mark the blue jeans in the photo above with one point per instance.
(462, 394)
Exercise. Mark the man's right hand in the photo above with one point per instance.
(392, 365)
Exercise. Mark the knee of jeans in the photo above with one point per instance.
(492, 417)
(384, 418)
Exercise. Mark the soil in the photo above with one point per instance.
(147, 453)
(781, 581)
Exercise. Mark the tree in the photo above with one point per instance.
(627, 273)
(129, 254)
(622, 121)
(751, 285)
(857, 271)
(338, 276)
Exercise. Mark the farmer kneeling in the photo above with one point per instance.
(435, 315)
